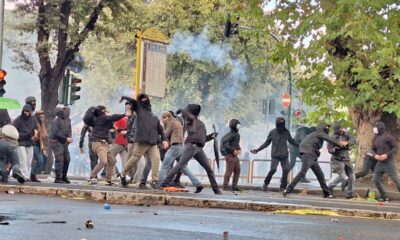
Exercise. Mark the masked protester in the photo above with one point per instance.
(230, 149)
(341, 165)
(60, 138)
(27, 127)
(101, 143)
(309, 153)
(148, 132)
(173, 131)
(279, 137)
(384, 147)
(39, 147)
(8, 153)
(294, 153)
(193, 148)
(31, 101)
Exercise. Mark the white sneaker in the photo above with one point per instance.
(92, 180)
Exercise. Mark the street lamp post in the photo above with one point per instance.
(1, 31)
(289, 86)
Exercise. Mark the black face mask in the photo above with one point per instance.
(326, 130)
(281, 126)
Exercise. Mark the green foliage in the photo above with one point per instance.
(112, 58)
(349, 51)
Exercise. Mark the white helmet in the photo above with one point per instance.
(10, 132)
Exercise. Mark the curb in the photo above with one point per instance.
(140, 199)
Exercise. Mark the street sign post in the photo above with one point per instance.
(151, 63)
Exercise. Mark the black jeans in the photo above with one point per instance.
(62, 159)
(285, 170)
(382, 168)
(308, 162)
(369, 164)
(192, 151)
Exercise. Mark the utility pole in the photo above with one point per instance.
(1, 31)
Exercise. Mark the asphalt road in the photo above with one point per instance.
(31, 217)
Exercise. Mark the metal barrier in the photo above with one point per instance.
(249, 175)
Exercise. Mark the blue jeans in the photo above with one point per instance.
(173, 153)
(37, 165)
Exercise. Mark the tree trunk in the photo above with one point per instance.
(363, 122)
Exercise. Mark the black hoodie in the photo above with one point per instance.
(231, 140)
(384, 143)
(59, 129)
(196, 130)
(338, 153)
(315, 140)
(25, 126)
(279, 137)
(146, 128)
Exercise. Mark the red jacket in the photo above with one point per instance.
(121, 125)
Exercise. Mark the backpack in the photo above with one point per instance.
(89, 117)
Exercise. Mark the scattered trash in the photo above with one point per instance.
(10, 192)
(49, 222)
(79, 228)
(4, 223)
(155, 213)
(304, 192)
(334, 220)
(175, 189)
(107, 206)
(147, 205)
(89, 224)
(226, 235)
(72, 198)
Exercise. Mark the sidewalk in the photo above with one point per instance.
(253, 200)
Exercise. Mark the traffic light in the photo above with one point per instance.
(231, 28)
(228, 25)
(74, 89)
(3, 74)
(63, 90)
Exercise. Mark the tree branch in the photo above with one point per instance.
(42, 45)
(65, 11)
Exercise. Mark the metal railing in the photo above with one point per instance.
(247, 173)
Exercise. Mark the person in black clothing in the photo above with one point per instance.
(369, 164)
(60, 139)
(279, 137)
(341, 165)
(193, 147)
(8, 154)
(309, 153)
(384, 147)
(31, 101)
(93, 156)
(230, 149)
(294, 153)
(148, 131)
(27, 127)
(101, 143)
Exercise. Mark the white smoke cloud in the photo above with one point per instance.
(199, 47)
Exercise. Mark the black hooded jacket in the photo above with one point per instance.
(25, 126)
(102, 124)
(279, 137)
(146, 127)
(384, 143)
(59, 128)
(314, 142)
(196, 130)
(338, 153)
(231, 140)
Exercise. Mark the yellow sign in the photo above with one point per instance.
(155, 35)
